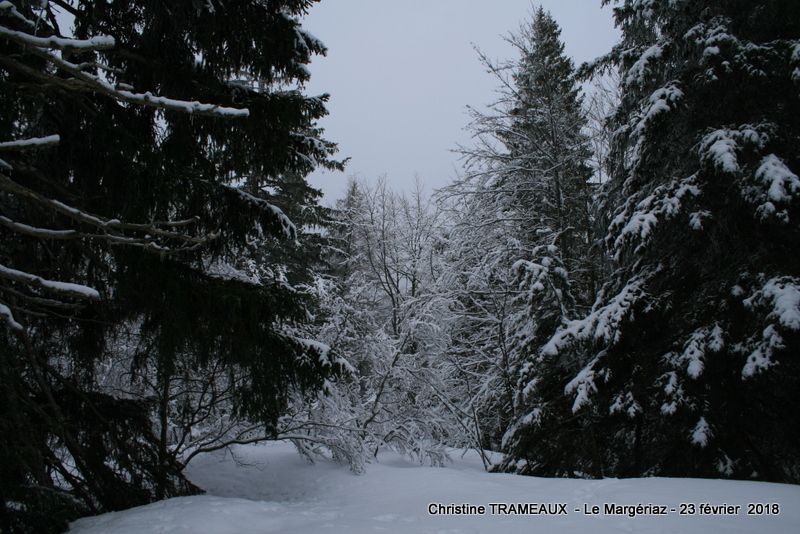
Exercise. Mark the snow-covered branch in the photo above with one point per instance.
(8, 8)
(61, 288)
(31, 142)
(100, 42)
(112, 230)
(287, 225)
(41, 47)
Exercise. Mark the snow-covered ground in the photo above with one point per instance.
(271, 489)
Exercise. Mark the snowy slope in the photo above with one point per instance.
(271, 489)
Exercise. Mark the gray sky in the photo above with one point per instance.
(401, 73)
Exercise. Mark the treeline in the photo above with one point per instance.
(610, 288)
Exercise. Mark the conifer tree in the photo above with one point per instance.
(688, 358)
(152, 153)
(526, 194)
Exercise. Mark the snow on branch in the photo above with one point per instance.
(719, 148)
(781, 297)
(625, 402)
(42, 233)
(771, 186)
(31, 142)
(795, 59)
(782, 294)
(8, 317)
(701, 433)
(64, 288)
(781, 182)
(145, 99)
(100, 42)
(638, 223)
(642, 66)
(287, 225)
(10, 9)
(782, 187)
(701, 342)
(111, 230)
(673, 390)
(662, 100)
(326, 358)
(41, 46)
(603, 323)
(194, 107)
(583, 386)
(307, 38)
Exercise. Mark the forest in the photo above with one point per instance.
(609, 287)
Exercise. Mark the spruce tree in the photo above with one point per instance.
(688, 358)
(526, 194)
(152, 144)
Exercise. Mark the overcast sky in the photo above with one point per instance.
(401, 73)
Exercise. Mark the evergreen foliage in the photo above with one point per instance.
(602, 293)
(151, 163)
(687, 363)
(526, 193)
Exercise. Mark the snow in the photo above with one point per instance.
(719, 148)
(100, 42)
(146, 98)
(5, 313)
(640, 225)
(761, 357)
(323, 350)
(664, 203)
(76, 290)
(311, 39)
(45, 233)
(625, 402)
(178, 105)
(582, 386)
(694, 355)
(662, 100)
(711, 36)
(33, 142)
(225, 271)
(702, 433)
(781, 182)
(272, 489)
(673, 390)
(781, 297)
(638, 70)
(696, 219)
(784, 293)
(12, 10)
(694, 352)
(287, 225)
(602, 323)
